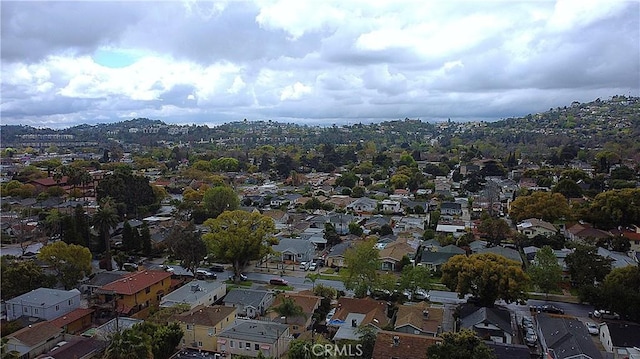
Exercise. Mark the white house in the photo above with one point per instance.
(621, 339)
(44, 303)
(391, 206)
(194, 293)
(532, 227)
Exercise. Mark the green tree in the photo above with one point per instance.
(620, 292)
(312, 278)
(106, 218)
(355, 229)
(132, 191)
(543, 205)
(128, 344)
(494, 230)
(187, 245)
(219, 199)
(415, 278)
(614, 208)
(238, 237)
(19, 277)
(163, 338)
(486, 276)
(545, 272)
(586, 266)
(362, 262)
(461, 345)
(569, 188)
(331, 235)
(128, 239)
(71, 262)
(367, 339)
(288, 308)
(145, 238)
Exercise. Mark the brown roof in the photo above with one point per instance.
(402, 345)
(205, 316)
(309, 304)
(372, 309)
(135, 282)
(36, 333)
(71, 317)
(414, 315)
(50, 181)
(396, 250)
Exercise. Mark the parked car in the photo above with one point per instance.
(243, 277)
(217, 268)
(530, 337)
(548, 308)
(605, 314)
(205, 274)
(304, 265)
(278, 281)
(313, 266)
(527, 323)
(593, 328)
(421, 294)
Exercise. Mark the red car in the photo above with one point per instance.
(278, 281)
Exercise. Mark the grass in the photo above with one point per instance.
(246, 283)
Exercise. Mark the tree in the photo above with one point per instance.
(163, 338)
(219, 199)
(367, 340)
(128, 239)
(19, 277)
(620, 292)
(362, 262)
(545, 272)
(106, 218)
(486, 276)
(495, 230)
(238, 237)
(569, 188)
(187, 245)
(614, 208)
(543, 205)
(330, 234)
(355, 229)
(127, 344)
(586, 266)
(415, 278)
(461, 345)
(312, 278)
(71, 262)
(132, 191)
(145, 238)
(288, 308)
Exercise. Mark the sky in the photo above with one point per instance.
(311, 61)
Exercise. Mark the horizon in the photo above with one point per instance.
(310, 63)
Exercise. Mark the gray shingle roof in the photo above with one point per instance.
(246, 297)
(293, 245)
(567, 337)
(499, 317)
(45, 296)
(254, 331)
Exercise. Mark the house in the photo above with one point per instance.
(536, 227)
(75, 347)
(252, 337)
(202, 325)
(563, 338)
(136, 291)
(340, 222)
(75, 321)
(294, 250)
(621, 339)
(106, 330)
(456, 228)
(509, 351)
(280, 218)
(434, 259)
(33, 340)
(618, 260)
(352, 313)
(391, 206)
(363, 205)
(315, 236)
(251, 303)
(420, 318)
(582, 231)
(451, 209)
(489, 323)
(402, 345)
(97, 280)
(195, 293)
(391, 255)
(508, 253)
(335, 258)
(44, 303)
(297, 325)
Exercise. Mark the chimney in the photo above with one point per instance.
(354, 323)
(425, 314)
(396, 340)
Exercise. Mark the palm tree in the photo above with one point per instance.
(105, 218)
(312, 277)
(289, 309)
(128, 344)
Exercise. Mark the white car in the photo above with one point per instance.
(313, 266)
(605, 314)
(593, 328)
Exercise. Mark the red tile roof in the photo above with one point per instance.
(135, 282)
(375, 311)
(50, 181)
(36, 333)
(71, 317)
(402, 345)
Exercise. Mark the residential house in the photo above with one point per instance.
(390, 206)
(435, 257)
(391, 255)
(280, 218)
(352, 313)
(340, 201)
(489, 323)
(99, 279)
(251, 303)
(509, 351)
(297, 325)
(410, 223)
(202, 325)
(294, 250)
(136, 291)
(536, 227)
(456, 228)
(335, 258)
(508, 253)
(389, 345)
(315, 236)
(564, 338)
(75, 347)
(582, 231)
(106, 330)
(44, 303)
(252, 337)
(340, 222)
(420, 318)
(75, 321)
(621, 339)
(363, 205)
(195, 293)
(618, 260)
(33, 340)
(450, 209)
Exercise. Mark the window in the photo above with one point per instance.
(70, 301)
(148, 290)
(199, 344)
(35, 310)
(57, 307)
(239, 345)
(26, 310)
(189, 326)
(231, 343)
(256, 347)
(248, 346)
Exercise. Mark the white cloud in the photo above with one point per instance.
(295, 91)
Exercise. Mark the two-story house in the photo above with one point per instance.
(251, 303)
(33, 340)
(391, 206)
(195, 293)
(252, 337)
(44, 303)
(420, 318)
(136, 291)
(202, 325)
(533, 227)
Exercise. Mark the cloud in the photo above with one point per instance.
(317, 62)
